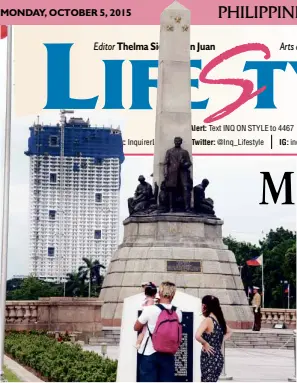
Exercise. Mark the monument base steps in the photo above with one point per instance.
(240, 339)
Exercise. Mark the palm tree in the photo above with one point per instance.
(75, 286)
(91, 271)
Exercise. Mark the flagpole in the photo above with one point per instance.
(5, 202)
(288, 296)
(263, 288)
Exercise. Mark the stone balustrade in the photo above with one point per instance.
(81, 315)
(270, 317)
(21, 312)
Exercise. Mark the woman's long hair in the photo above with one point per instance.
(212, 306)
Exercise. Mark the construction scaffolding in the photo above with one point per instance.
(74, 199)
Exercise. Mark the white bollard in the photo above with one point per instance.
(224, 376)
(293, 378)
(104, 349)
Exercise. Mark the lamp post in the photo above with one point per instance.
(5, 199)
(289, 296)
(224, 375)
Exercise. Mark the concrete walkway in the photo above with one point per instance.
(244, 365)
(23, 374)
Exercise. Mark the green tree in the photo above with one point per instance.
(90, 272)
(279, 252)
(275, 237)
(289, 266)
(13, 284)
(32, 288)
(75, 286)
(243, 252)
(279, 267)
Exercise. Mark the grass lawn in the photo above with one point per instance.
(10, 375)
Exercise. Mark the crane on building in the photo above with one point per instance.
(63, 121)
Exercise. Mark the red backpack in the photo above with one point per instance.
(167, 335)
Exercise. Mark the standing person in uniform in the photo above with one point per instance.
(256, 303)
(211, 334)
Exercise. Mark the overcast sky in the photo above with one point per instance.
(235, 184)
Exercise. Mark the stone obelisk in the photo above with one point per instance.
(173, 112)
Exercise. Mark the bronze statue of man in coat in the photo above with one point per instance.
(177, 174)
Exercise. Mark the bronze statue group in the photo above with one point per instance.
(175, 192)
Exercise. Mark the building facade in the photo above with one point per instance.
(75, 172)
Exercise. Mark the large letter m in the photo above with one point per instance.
(287, 181)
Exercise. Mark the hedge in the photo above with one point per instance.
(58, 362)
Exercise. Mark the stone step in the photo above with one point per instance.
(240, 339)
(262, 335)
(97, 341)
(267, 338)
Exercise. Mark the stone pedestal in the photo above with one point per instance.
(150, 245)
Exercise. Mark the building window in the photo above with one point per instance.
(97, 161)
(53, 141)
(97, 234)
(52, 214)
(53, 177)
(98, 197)
(51, 251)
(76, 167)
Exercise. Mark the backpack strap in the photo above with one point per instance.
(161, 307)
(150, 336)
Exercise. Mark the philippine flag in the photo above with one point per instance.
(3, 31)
(258, 261)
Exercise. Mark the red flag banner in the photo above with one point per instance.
(258, 261)
(3, 31)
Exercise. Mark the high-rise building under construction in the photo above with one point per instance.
(75, 172)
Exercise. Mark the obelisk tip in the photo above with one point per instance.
(176, 6)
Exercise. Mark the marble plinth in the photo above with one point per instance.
(150, 242)
(127, 352)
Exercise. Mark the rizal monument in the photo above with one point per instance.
(172, 232)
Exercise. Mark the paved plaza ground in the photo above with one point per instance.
(245, 365)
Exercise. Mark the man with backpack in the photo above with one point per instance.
(163, 338)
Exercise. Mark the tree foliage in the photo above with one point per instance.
(90, 272)
(279, 252)
(32, 288)
(76, 285)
